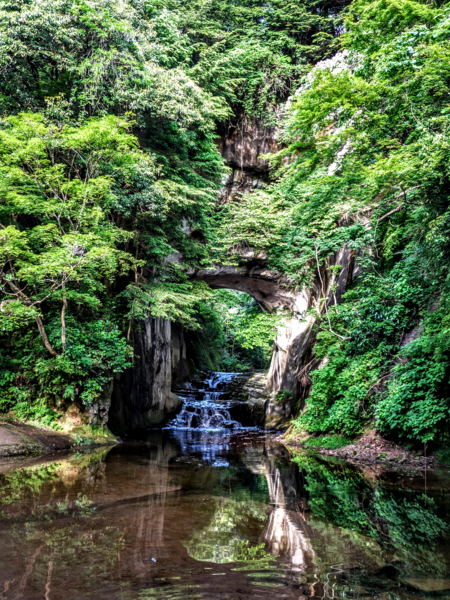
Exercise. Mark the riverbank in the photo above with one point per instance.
(18, 439)
(370, 449)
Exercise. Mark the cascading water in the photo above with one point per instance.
(204, 405)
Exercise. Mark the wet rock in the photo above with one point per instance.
(428, 584)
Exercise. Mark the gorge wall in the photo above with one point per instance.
(292, 359)
(142, 397)
(243, 145)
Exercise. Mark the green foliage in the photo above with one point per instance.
(33, 411)
(416, 405)
(443, 456)
(233, 334)
(100, 55)
(28, 481)
(59, 251)
(84, 211)
(248, 53)
(98, 228)
(168, 300)
(109, 174)
(365, 166)
(413, 526)
(283, 396)
(207, 342)
(223, 540)
(64, 192)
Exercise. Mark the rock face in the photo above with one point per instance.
(142, 395)
(250, 387)
(18, 439)
(252, 390)
(243, 146)
(99, 411)
(292, 355)
(182, 368)
(292, 358)
(251, 276)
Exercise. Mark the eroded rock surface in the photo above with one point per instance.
(251, 276)
(243, 146)
(142, 395)
(292, 356)
(17, 439)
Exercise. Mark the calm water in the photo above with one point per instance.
(214, 515)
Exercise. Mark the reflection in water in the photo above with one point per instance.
(212, 446)
(225, 538)
(285, 530)
(204, 515)
(395, 511)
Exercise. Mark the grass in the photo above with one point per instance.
(330, 442)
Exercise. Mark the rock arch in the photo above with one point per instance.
(293, 345)
(251, 276)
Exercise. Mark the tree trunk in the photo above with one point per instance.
(44, 336)
(63, 323)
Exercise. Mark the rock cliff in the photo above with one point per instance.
(243, 145)
(243, 148)
(142, 395)
(292, 359)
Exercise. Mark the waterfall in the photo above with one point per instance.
(204, 406)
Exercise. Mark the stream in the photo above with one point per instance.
(207, 508)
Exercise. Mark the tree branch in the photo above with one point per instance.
(391, 212)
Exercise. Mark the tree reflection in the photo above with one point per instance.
(225, 538)
(50, 524)
(139, 515)
(400, 520)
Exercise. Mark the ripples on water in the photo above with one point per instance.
(218, 514)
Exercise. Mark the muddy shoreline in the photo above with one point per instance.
(19, 439)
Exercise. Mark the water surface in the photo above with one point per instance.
(201, 514)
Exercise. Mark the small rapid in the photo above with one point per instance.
(206, 404)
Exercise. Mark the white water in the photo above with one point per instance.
(203, 408)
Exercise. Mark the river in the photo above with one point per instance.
(211, 509)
